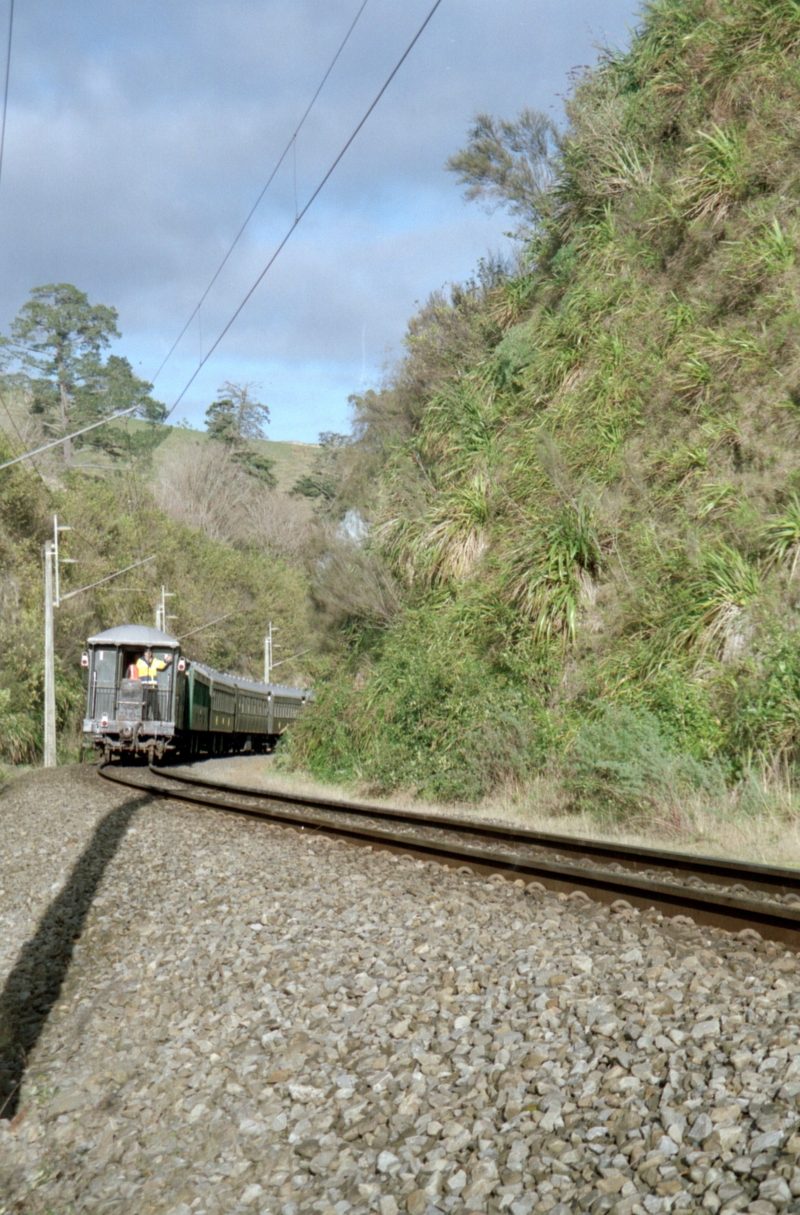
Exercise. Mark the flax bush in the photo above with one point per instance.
(599, 449)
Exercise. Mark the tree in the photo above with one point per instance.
(221, 421)
(234, 419)
(236, 415)
(58, 338)
(324, 480)
(122, 390)
(509, 163)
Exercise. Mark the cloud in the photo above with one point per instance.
(139, 136)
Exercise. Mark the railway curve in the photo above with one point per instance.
(232, 1015)
(739, 897)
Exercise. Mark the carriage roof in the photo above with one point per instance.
(134, 635)
(252, 685)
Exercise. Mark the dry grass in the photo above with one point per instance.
(201, 485)
(204, 489)
(280, 523)
(769, 835)
(292, 460)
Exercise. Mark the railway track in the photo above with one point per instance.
(738, 897)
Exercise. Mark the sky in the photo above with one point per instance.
(138, 137)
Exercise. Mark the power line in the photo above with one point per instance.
(22, 442)
(5, 90)
(123, 413)
(29, 456)
(126, 412)
(16, 428)
(200, 628)
(311, 200)
(45, 486)
(292, 144)
(107, 578)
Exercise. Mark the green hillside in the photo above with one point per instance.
(225, 545)
(583, 478)
(291, 460)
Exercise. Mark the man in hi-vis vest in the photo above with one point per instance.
(147, 669)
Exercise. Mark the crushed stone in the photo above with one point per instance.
(257, 1019)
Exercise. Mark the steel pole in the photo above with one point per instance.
(49, 662)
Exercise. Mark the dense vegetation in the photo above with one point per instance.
(115, 523)
(227, 546)
(581, 482)
(562, 542)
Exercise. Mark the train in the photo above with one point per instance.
(178, 708)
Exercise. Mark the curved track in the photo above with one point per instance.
(725, 894)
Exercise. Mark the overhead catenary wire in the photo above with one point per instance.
(291, 145)
(76, 434)
(304, 210)
(12, 420)
(107, 578)
(208, 624)
(45, 486)
(5, 87)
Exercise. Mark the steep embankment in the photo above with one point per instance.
(238, 568)
(585, 476)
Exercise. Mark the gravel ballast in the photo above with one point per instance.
(261, 1020)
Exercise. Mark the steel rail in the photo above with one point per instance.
(768, 879)
(519, 853)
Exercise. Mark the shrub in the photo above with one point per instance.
(599, 449)
(19, 737)
(622, 765)
(765, 708)
(428, 714)
(203, 487)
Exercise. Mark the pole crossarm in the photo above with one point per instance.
(108, 578)
(200, 628)
(291, 656)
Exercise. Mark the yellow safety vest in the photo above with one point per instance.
(148, 674)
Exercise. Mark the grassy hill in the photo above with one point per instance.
(250, 574)
(583, 478)
(292, 460)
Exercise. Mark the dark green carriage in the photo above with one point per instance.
(194, 710)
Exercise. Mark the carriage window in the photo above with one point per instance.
(131, 657)
(105, 667)
(163, 677)
(128, 659)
